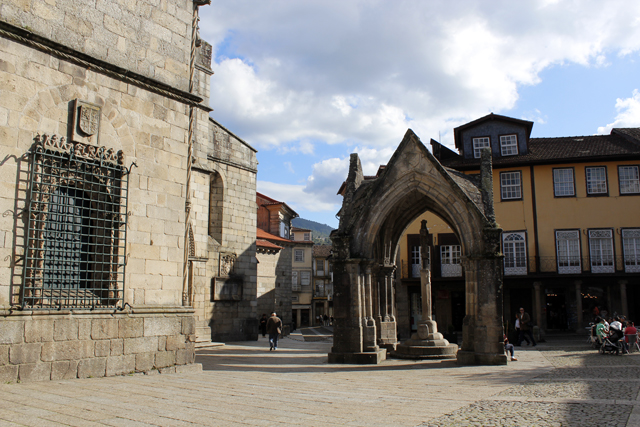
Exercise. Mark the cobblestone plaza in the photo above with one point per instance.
(559, 383)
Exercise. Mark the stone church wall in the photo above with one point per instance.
(225, 227)
(144, 115)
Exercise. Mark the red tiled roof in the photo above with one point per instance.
(266, 244)
(261, 234)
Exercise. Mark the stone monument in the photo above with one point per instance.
(427, 343)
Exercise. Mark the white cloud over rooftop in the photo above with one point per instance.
(356, 73)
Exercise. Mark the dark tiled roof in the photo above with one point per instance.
(633, 133)
(322, 250)
(457, 131)
(563, 150)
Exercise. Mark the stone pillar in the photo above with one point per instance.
(578, 284)
(388, 333)
(384, 293)
(347, 331)
(349, 316)
(369, 325)
(471, 290)
(483, 322)
(537, 306)
(624, 305)
(390, 297)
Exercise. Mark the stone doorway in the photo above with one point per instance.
(374, 214)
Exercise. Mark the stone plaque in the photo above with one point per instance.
(86, 122)
(226, 289)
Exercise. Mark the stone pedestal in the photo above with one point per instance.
(427, 343)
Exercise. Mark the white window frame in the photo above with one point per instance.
(307, 236)
(631, 249)
(509, 145)
(450, 261)
(284, 230)
(629, 179)
(601, 251)
(416, 255)
(305, 278)
(320, 288)
(568, 252)
(295, 285)
(298, 255)
(478, 144)
(596, 177)
(562, 185)
(509, 189)
(514, 248)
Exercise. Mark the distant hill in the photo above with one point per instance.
(320, 231)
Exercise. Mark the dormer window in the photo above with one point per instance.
(479, 144)
(509, 145)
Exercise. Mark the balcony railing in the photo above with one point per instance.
(323, 293)
(541, 265)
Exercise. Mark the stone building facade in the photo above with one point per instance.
(274, 277)
(274, 225)
(224, 232)
(103, 109)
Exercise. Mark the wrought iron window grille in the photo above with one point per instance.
(76, 231)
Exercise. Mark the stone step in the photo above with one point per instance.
(203, 334)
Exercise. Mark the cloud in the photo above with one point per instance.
(361, 73)
(294, 76)
(628, 114)
(295, 196)
(289, 167)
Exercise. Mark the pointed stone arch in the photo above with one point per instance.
(374, 214)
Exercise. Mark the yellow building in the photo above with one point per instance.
(302, 277)
(568, 208)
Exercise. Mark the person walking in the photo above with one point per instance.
(263, 325)
(274, 328)
(525, 328)
(517, 327)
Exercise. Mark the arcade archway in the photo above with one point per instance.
(373, 216)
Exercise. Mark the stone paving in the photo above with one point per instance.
(560, 383)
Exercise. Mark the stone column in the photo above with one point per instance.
(578, 284)
(347, 331)
(482, 329)
(388, 334)
(471, 290)
(369, 325)
(537, 307)
(390, 298)
(384, 294)
(624, 305)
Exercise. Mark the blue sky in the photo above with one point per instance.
(309, 82)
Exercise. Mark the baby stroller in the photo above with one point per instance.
(611, 343)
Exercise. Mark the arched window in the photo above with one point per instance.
(216, 207)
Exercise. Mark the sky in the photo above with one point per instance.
(308, 82)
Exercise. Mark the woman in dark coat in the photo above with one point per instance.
(263, 325)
